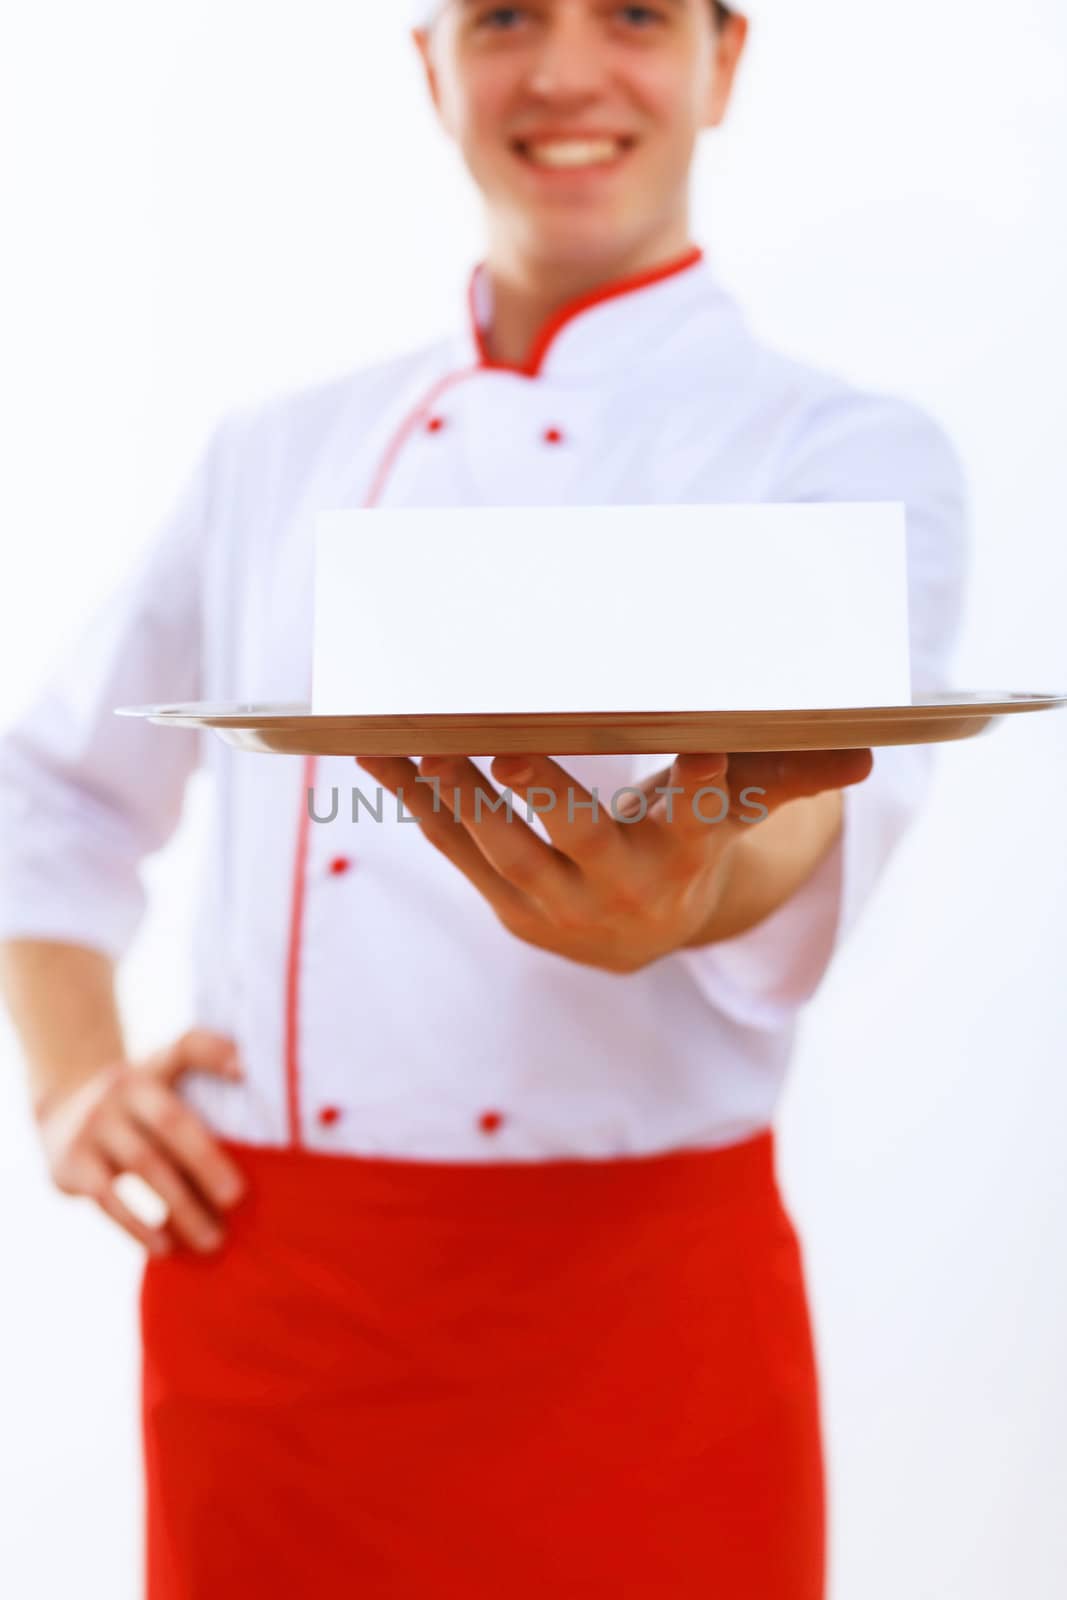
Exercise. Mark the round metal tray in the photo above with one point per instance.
(295, 730)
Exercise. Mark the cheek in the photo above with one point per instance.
(482, 117)
(672, 100)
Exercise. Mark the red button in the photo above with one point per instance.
(490, 1121)
(553, 436)
(340, 864)
(328, 1115)
(435, 424)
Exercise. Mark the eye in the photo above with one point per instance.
(640, 16)
(500, 19)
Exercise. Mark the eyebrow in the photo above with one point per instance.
(468, 5)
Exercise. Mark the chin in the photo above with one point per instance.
(579, 240)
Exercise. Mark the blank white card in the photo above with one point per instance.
(610, 608)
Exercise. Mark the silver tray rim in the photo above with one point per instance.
(270, 714)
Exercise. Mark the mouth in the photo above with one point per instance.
(574, 154)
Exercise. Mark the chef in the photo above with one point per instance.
(475, 1278)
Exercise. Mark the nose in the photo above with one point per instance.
(568, 62)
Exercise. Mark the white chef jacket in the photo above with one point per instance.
(378, 1004)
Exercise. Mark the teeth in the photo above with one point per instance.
(573, 152)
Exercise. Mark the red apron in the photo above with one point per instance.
(402, 1379)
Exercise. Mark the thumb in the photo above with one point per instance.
(198, 1050)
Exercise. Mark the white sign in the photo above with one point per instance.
(610, 608)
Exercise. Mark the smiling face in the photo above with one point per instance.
(577, 119)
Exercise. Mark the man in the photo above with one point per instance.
(476, 1279)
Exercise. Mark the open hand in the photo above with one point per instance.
(610, 890)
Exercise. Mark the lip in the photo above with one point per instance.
(625, 144)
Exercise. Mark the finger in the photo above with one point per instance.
(628, 802)
(583, 826)
(442, 831)
(507, 841)
(99, 1186)
(696, 800)
(181, 1135)
(198, 1050)
(129, 1150)
(771, 778)
(659, 796)
(755, 784)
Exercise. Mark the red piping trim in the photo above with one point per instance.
(531, 368)
(553, 327)
(406, 429)
(392, 450)
(292, 974)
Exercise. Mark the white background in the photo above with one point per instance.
(212, 199)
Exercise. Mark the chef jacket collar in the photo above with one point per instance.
(607, 331)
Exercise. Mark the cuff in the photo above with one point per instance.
(763, 977)
(84, 906)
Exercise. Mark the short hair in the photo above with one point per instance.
(722, 13)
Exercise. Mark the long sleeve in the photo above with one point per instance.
(86, 795)
(869, 449)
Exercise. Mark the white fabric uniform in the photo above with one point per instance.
(383, 1009)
